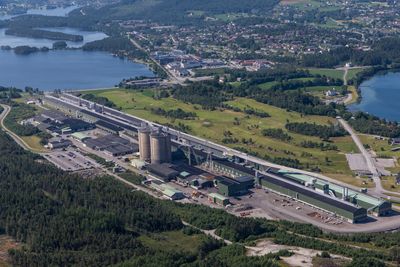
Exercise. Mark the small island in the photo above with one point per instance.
(43, 34)
(26, 50)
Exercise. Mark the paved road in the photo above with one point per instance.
(367, 156)
(379, 190)
(16, 138)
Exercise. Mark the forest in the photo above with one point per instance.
(174, 113)
(384, 51)
(313, 129)
(100, 100)
(43, 34)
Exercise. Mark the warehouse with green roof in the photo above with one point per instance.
(374, 206)
(340, 208)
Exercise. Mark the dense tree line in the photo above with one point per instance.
(9, 93)
(320, 145)
(208, 95)
(277, 134)
(298, 84)
(174, 113)
(369, 124)
(118, 45)
(43, 34)
(313, 129)
(26, 50)
(100, 100)
(384, 51)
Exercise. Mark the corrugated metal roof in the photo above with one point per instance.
(218, 196)
(310, 193)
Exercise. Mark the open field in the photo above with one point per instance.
(333, 73)
(381, 147)
(389, 183)
(34, 143)
(247, 129)
(172, 241)
(353, 72)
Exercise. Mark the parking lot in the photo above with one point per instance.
(71, 160)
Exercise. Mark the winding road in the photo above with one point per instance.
(16, 138)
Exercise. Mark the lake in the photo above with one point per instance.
(14, 41)
(66, 69)
(63, 69)
(381, 96)
(59, 12)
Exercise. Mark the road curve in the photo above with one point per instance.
(16, 138)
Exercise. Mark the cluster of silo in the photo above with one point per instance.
(154, 145)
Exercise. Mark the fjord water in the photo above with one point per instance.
(381, 96)
(14, 41)
(63, 69)
(59, 12)
(66, 69)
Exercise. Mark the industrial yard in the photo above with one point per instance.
(176, 167)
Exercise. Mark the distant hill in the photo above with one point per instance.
(170, 11)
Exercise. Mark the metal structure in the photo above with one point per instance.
(144, 142)
(160, 143)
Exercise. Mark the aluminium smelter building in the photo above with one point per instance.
(346, 210)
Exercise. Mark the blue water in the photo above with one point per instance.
(63, 69)
(66, 69)
(59, 12)
(381, 96)
(14, 41)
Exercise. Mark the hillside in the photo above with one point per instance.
(183, 11)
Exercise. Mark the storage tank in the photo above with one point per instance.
(160, 147)
(168, 148)
(144, 142)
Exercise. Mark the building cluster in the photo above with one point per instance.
(180, 63)
(288, 33)
(220, 177)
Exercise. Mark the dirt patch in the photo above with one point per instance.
(302, 256)
(6, 243)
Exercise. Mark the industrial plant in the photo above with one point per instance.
(219, 172)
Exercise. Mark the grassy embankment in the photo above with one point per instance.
(17, 114)
(213, 124)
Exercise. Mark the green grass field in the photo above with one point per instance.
(172, 241)
(353, 72)
(213, 124)
(333, 73)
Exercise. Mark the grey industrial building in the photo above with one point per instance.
(112, 145)
(233, 186)
(322, 201)
(163, 171)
